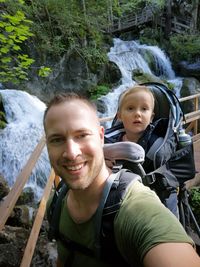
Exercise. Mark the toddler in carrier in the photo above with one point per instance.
(135, 123)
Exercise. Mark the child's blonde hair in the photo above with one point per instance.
(134, 89)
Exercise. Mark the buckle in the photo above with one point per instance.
(117, 168)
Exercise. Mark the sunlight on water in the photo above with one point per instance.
(24, 114)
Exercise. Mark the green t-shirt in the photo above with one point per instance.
(141, 223)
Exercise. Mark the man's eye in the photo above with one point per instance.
(82, 136)
(56, 141)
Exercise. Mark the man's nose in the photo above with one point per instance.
(72, 149)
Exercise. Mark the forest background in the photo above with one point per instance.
(46, 44)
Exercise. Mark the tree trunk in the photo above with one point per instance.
(168, 17)
(195, 6)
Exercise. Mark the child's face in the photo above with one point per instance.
(136, 112)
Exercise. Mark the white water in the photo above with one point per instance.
(24, 114)
(129, 56)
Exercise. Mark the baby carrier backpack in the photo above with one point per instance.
(171, 154)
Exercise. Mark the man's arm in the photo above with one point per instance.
(172, 255)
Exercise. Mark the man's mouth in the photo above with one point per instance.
(75, 167)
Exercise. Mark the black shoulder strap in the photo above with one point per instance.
(54, 211)
(99, 212)
(112, 206)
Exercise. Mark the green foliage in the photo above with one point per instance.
(184, 47)
(134, 5)
(151, 36)
(14, 31)
(98, 91)
(195, 202)
(63, 26)
(44, 71)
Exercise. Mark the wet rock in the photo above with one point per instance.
(4, 188)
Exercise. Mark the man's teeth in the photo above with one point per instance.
(75, 168)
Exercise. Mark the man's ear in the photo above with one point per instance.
(101, 133)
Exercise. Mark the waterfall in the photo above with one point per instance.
(24, 114)
(129, 56)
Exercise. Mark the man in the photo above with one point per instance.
(146, 233)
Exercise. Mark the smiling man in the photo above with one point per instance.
(145, 232)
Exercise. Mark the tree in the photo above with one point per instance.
(14, 31)
(195, 7)
(168, 17)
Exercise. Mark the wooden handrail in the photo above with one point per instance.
(30, 247)
(8, 204)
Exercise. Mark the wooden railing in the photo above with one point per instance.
(130, 20)
(178, 25)
(191, 120)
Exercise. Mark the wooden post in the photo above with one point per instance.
(29, 250)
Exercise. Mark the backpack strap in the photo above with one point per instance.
(99, 212)
(54, 211)
(153, 149)
(111, 208)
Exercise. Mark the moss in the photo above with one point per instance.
(98, 91)
(3, 121)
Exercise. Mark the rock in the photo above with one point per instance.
(26, 197)
(19, 217)
(12, 242)
(190, 86)
(4, 188)
(189, 69)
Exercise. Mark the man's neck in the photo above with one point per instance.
(82, 204)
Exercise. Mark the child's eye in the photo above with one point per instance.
(145, 108)
(129, 108)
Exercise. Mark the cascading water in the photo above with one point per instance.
(24, 114)
(129, 56)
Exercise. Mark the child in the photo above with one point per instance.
(136, 111)
(135, 116)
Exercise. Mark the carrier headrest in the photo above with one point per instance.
(162, 106)
(124, 151)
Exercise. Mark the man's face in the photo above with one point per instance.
(74, 143)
